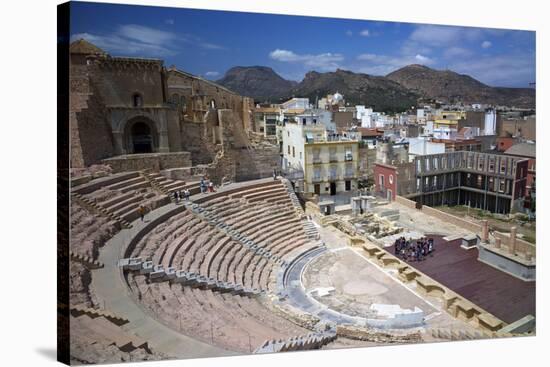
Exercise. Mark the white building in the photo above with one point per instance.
(364, 115)
(296, 104)
(490, 126)
(316, 116)
(445, 132)
(423, 146)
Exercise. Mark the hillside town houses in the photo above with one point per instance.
(329, 147)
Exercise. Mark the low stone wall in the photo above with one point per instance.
(521, 245)
(153, 161)
(463, 223)
(149, 227)
(364, 334)
(406, 202)
(454, 304)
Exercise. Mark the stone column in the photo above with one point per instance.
(119, 146)
(512, 241)
(164, 146)
(484, 231)
(355, 206)
(497, 242)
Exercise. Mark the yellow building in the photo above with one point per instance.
(449, 119)
(329, 163)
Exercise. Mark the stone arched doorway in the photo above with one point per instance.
(140, 136)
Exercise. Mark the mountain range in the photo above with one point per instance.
(397, 91)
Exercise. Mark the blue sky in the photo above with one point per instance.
(208, 43)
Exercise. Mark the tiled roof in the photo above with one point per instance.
(522, 150)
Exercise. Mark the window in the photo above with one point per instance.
(491, 164)
(175, 98)
(332, 155)
(480, 164)
(502, 185)
(289, 150)
(303, 121)
(300, 155)
(503, 166)
(137, 100)
(316, 153)
(316, 174)
(390, 179)
(349, 154)
(293, 152)
(381, 181)
(479, 181)
(349, 170)
(333, 172)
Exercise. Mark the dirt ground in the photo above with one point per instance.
(498, 223)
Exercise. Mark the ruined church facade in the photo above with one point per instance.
(124, 106)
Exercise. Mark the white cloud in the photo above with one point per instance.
(383, 64)
(455, 51)
(211, 74)
(486, 44)
(134, 39)
(365, 33)
(119, 45)
(325, 61)
(147, 35)
(440, 36)
(211, 46)
(349, 33)
(512, 70)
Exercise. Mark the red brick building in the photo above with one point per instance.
(385, 177)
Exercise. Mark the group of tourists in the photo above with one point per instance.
(409, 250)
(206, 185)
(181, 195)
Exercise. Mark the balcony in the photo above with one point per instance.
(333, 177)
(333, 159)
(317, 160)
(317, 179)
(349, 175)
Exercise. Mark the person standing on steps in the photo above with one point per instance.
(141, 212)
(202, 185)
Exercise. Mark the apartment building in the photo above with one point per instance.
(494, 182)
(319, 162)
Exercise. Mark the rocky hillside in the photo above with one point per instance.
(452, 87)
(395, 92)
(259, 82)
(376, 91)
